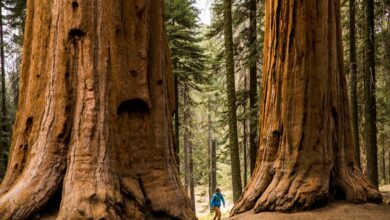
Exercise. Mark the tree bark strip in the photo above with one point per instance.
(370, 128)
(353, 82)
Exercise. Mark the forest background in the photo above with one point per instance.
(195, 33)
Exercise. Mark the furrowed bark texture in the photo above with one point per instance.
(306, 155)
(370, 118)
(353, 82)
(93, 134)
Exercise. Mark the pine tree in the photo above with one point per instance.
(230, 87)
(370, 117)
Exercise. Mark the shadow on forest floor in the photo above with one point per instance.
(333, 211)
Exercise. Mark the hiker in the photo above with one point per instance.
(215, 203)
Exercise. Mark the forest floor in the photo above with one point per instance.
(334, 211)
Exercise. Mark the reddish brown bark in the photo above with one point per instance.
(94, 116)
(305, 155)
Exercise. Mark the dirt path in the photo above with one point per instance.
(334, 211)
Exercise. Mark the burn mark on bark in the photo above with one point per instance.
(133, 73)
(118, 31)
(75, 5)
(76, 34)
(147, 209)
(29, 123)
(276, 133)
(52, 206)
(140, 8)
(93, 198)
(351, 165)
(335, 117)
(133, 106)
(293, 24)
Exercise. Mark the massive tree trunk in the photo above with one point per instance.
(253, 83)
(370, 129)
(306, 155)
(93, 133)
(231, 98)
(3, 131)
(353, 82)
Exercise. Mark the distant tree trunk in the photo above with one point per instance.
(189, 162)
(191, 176)
(214, 164)
(93, 137)
(186, 140)
(244, 134)
(306, 155)
(353, 82)
(244, 148)
(4, 114)
(231, 96)
(253, 83)
(388, 167)
(383, 159)
(177, 124)
(210, 151)
(370, 128)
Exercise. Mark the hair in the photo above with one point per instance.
(217, 190)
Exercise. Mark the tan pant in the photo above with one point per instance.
(217, 213)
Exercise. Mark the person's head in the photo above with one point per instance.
(217, 190)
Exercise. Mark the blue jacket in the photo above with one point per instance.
(216, 200)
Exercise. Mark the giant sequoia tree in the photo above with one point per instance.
(93, 136)
(305, 155)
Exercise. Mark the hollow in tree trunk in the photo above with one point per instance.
(93, 133)
(305, 155)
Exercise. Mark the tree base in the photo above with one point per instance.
(305, 191)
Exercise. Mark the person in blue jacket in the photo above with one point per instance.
(215, 203)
